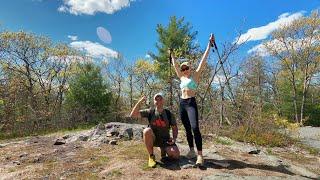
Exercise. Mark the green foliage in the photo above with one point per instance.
(299, 63)
(177, 35)
(313, 118)
(285, 124)
(1, 108)
(88, 91)
(261, 136)
(267, 131)
(223, 141)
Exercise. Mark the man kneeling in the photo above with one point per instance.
(157, 133)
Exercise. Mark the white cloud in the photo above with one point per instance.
(259, 49)
(295, 44)
(90, 7)
(147, 56)
(262, 32)
(95, 50)
(73, 38)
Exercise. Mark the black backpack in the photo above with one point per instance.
(152, 111)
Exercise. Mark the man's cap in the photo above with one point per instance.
(158, 94)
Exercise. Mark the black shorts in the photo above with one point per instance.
(158, 142)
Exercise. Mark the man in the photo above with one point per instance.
(157, 133)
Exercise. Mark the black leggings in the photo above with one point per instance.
(189, 117)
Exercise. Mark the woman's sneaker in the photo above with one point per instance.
(199, 161)
(191, 154)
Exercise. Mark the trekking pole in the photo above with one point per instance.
(214, 45)
(170, 63)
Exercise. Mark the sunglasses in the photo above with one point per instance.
(185, 69)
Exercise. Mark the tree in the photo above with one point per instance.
(146, 79)
(88, 92)
(34, 74)
(296, 46)
(254, 73)
(177, 35)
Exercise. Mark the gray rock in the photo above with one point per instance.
(99, 129)
(16, 162)
(105, 140)
(127, 134)
(113, 129)
(37, 160)
(308, 135)
(100, 126)
(255, 151)
(109, 134)
(125, 130)
(187, 166)
(66, 136)
(23, 155)
(138, 133)
(59, 142)
(225, 176)
(302, 171)
(113, 132)
(113, 142)
(215, 156)
(2, 145)
(271, 160)
(83, 137)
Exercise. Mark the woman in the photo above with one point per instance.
(188, 105)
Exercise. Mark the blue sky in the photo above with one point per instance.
(132, 24)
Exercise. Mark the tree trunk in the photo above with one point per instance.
(221, 105)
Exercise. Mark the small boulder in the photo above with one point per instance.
(59, 142)
(127, 134)
(255, 151)
(112, 132)
(66, 136)
(23, 155)
(187, 166)
(16, 162)
(105, 140)
(113, 142)
(83, 138)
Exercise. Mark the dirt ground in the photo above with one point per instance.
(38, 158)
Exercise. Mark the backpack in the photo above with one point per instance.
(152, 111)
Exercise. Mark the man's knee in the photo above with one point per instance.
(147, 132)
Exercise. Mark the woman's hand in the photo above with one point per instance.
(211, 40)
(174, 63)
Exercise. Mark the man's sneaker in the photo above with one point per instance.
(199, 160)
(152, 161)
(191, 154)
